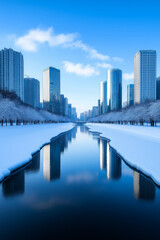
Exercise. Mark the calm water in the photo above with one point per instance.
(78, 187)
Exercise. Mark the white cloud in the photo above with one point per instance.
(35, 37)
(93, 53)
(104, 65)
(128, 76)
(118, 59)
(96, 55)
(30, 41)
(80, 69)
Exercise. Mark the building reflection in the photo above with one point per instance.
(14, 185)
(84, 129)
(52, 155)
(51, 161)
(143, 187)
(109, 160)
(103, 154)
(34, 166)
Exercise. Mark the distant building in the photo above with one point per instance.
(114, 89)
(158, 88)
(32, 92)
(74, 114)
(99, 107)
(62, 105)
(103, 97)
(69, 110)
(145, 62)
(82, 117)
(94, 111)
(51, 89)
(130, 94)
(41, 105)
(12, 72)
(66, 106)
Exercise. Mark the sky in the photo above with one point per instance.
(81, 38)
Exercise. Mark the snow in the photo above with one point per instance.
(139, 112)
(138, 145)
(18, 143)
(13, 109)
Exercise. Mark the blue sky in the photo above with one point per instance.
(81, 38)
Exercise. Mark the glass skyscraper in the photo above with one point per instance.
(158, 88)
(114, 89)
(130, 94)
(145, 62)
(103, 97)
(51, 89)
(12, 72)
(32, 92)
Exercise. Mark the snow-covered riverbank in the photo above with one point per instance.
(18, 143)
(139, 146)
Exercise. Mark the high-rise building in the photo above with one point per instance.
(145, 62)
(158, 88)
(95, 111)
(69, 110)
(99, 107)
(32, 92)
(74, 114)
(62, 105)
(103, 97)
(130, 94)
(51, 89)
(12, 72)
(114, 89)
(66, 106)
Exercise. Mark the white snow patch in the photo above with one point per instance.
(18, 143)
(139, 146)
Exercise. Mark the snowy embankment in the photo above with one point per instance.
(13, 109)
(139, 146)
(18, 143)
(146, 112)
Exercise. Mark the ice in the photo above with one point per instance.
(18, 143)
(138, 145)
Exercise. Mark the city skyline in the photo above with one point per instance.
(75, 50)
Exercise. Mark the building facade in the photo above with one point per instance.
(114, 89)
(32, 92)
(12, 72)
(103, 97)
(130, 94)
(158, 88)
(66, 106)
(145, 62)
(69, 110)
(62, 105)
(51, 89)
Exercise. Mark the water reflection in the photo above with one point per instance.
(34, 166)
(51, 161)
(109, 160)
(103, 154)
(52, 155)
(14, 185)
(143, 187)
